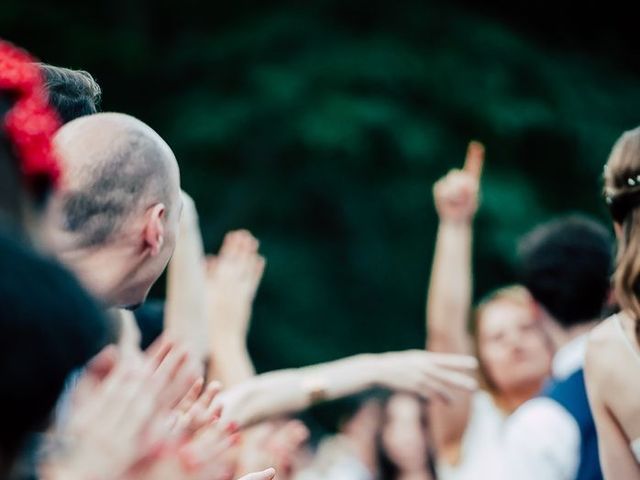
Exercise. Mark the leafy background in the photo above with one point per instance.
(322, 125)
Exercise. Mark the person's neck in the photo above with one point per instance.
(561, 336)
(509, 402)
(103, 271)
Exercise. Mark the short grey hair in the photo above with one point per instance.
(73, 93)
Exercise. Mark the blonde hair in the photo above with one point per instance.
(514, 294)
(622, 191)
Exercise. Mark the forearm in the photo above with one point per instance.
(449, 298)
(231, 361)
(185, 315)
(276, 393)
(448, 307)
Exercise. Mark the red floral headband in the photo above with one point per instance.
(31, 122)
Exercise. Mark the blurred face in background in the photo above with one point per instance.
(405, 433)
(514, 351)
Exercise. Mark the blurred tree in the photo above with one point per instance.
(322, 127)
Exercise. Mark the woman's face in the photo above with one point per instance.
(404, 435)
(513, 347)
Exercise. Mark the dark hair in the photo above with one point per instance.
(566, 265)
(49, 326)
(73, 93)
(11, 199)
(388, 469)
(330, 417)
(622, 190)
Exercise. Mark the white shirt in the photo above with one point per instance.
(541, 439)
(480, 447)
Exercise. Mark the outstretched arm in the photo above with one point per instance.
(449, 298)
(277, 393)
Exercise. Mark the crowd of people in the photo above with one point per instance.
(534, 382)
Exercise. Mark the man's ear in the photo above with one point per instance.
(153, 235)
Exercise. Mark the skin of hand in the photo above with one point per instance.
(208, 455)
(198, 447)
(456, 195)
(120, 412)
(118, 421)
(274, 442)
(196, 410)
(425, 374)
(233, 277)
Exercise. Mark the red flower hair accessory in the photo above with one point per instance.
(31, 123)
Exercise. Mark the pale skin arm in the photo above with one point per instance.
(277, 393)
(185, 310)
(450, 289)
(616, 458)
(232, 280)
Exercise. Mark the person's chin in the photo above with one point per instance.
(136, 301)
(527, 378)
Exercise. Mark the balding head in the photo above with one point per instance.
(115, 166)
(120, 190)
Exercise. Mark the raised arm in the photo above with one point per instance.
(449, 299)
(450, 289)
(185, 311)
(233, 277)
(277, 393)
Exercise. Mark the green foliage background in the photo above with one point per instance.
(321, 126)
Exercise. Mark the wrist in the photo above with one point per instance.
(458, 223)
(228, 317)
(229, 338)
(370, 367)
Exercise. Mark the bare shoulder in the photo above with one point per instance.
(605, 334)
(604, 347)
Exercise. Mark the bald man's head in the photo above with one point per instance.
(115, 166)
(120, 188)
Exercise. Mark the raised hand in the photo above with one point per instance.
(120, 416)
(233, 277)
(430, 375)
(456, 195)
(196, 411)
(274, 442)
(116, 423)
(173, 363)
(195, 451)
